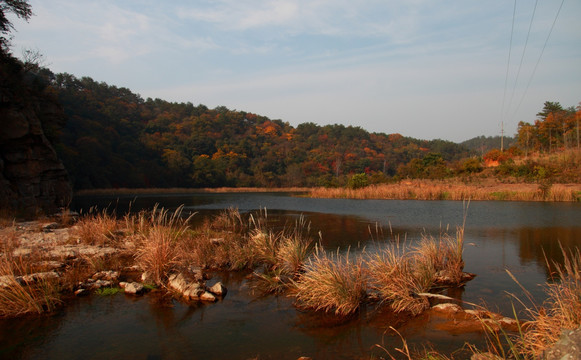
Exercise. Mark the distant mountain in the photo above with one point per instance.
(480, 145)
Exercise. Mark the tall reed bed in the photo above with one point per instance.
(442, 190)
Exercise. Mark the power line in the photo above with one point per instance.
(508, 63)
(523, 55)
(539, 59)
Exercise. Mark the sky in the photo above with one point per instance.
(449, 69)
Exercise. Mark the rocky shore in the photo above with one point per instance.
(52, 253)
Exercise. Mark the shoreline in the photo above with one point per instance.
(403, 190)
(138, 191)
(453, 190)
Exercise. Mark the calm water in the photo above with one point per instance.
(499, 236)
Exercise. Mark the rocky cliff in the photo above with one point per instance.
(32, 178)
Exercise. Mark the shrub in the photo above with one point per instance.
(358, 181)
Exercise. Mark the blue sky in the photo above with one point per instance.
(423, 68)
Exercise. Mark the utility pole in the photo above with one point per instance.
(577, 116)
(502, 136)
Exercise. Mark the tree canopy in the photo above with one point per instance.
(20, 8)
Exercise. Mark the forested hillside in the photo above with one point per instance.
(114, 138)
(483, 144)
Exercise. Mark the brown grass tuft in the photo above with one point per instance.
(157, 251)
(562, 309)
(97, 228)
(332, 283)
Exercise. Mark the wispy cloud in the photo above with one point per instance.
(318, 60)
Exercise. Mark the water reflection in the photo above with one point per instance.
(499, 237)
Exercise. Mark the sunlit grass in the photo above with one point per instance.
(453, 190)
(332, 282)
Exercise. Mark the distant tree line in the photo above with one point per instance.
(114, 138)
(555, 128)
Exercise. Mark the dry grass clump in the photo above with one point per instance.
(399, 278)
(97, 228)
(282, 254)
(442, 257)
(403, 276)
(157, 251)
(332, 283)
(19, 296)
(561, 311)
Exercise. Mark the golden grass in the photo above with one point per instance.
(97, 228)
(332, 283)
(450, 190)
(157, 252)
(561, 311)
(19, 297)
(399, 278)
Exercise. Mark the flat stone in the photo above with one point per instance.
(208, 296)
(81, 292)
(134, 288)
(32, 278)
(218, 289)
(102, 283)
(448, 308)
(106, 275)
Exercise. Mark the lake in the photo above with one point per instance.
(499, 236)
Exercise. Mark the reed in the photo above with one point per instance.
(97, 228)
(19, 297)
(157, 251)
(399, 278)
(448, 190)
(561, 311)
(332, 283)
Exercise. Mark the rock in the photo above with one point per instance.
(207, 296)
(567, 348)
(32, 278)
(81, 292)
(448, 308)
(50, 227)
(51, 264)
(106, 275)
(190, 290)
(218, 289)
(7, 281)
(101, 283)
(197, 273)
(31, 175)
(147, 277)
(122, 284)
(134, 288)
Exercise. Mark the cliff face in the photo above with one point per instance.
(32, 178)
